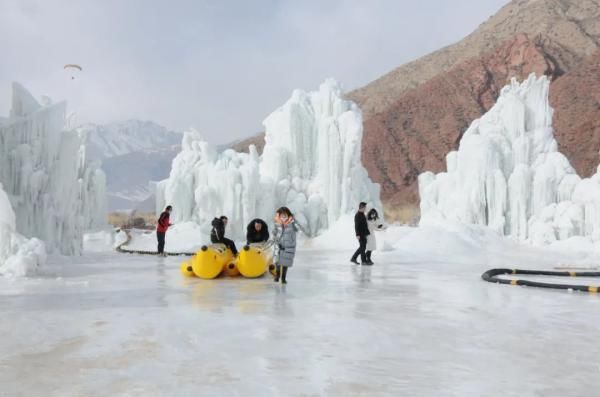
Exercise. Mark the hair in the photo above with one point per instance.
(373, 215)
(223, 217)
(168, 208)
(362, 205)
(286, 211)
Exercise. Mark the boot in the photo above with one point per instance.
(283, 274)
(277, 273)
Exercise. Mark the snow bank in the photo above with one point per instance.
(102, 241)
(56, 194)
(509, 176)
(18, 255)
(311, 163)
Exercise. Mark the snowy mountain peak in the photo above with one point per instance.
(119, 138)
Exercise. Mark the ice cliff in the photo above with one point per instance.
(509, 175)
(54, 193)
(311, 163)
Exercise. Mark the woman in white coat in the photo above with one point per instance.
(374, 223)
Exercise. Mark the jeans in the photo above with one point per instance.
(160, 236)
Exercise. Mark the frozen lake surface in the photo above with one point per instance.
(112, 324)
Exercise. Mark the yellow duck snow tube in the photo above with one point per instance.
(210, 261)
(254, 260)
(186, 269)
(230, 269)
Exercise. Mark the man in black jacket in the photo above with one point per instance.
(217, 234)
(361, 229)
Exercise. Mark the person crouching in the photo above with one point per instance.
(257, 232)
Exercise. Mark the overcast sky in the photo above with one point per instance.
(219, 66)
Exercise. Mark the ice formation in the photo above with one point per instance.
(508, 175)
(18, 255)
(56, 194)
(311, 163)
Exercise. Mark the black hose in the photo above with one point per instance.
(120, 248)
(492, 277)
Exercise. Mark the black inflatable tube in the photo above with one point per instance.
(492, 277)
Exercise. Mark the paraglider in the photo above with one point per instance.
(72, 67)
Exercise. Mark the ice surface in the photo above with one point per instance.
(311, 163)
(55, 192)
(418, 323)
(509, 176)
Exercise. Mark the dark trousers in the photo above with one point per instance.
(230, 244)
(361, 250)
(160, 236)
(280, 271)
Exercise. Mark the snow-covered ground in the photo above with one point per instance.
(418, 323)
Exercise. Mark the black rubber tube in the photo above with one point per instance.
(492, 277)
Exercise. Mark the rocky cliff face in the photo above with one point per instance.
(573, 26)
(417, 130)
(576, 100)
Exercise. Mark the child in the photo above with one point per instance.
(284, 238)
(374, 224)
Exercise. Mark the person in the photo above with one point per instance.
(161, 229)
(284, 238)
(374, 224)
(257, 232)
(217, 234)
(361, 229)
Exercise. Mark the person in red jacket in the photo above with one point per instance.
(161, 229)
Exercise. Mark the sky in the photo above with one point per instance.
(218, 66)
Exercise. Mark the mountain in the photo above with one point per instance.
(133, 153)
(119, 138)
(129, 176)
(572, 25)
(242, 145)
(417, 113)
(576, 100)
(417, 131)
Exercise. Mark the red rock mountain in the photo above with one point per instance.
(416, 114)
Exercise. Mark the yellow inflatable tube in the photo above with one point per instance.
(254, 260)
(230, 269)
(186, 269)
(209, 262)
